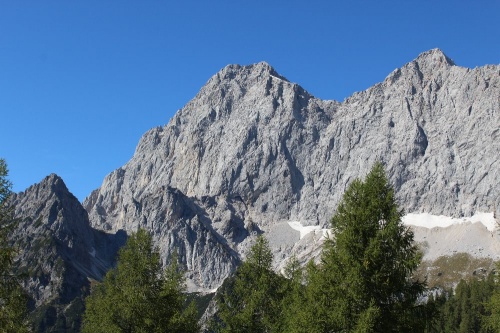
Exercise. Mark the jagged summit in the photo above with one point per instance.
(58, 209)
(435, 54)
(56, 182)
(235, 81)
(51, 185)
(433, 60)
(428, 66)
(260, 69)
(53, 180)
(247, 76)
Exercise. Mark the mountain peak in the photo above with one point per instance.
(56, 184)
(52, 179)
(433, 57)
(48, 186)
(252, 151)
(262, 64)
(260, 69)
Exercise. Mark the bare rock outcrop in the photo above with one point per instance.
(58, 252)
(252, 151)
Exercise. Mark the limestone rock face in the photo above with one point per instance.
(58, 251)
(252, 151)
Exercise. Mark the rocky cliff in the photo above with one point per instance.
(58, 253)
(253, 151)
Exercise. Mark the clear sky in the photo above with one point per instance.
(81, 81)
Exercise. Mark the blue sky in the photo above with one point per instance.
(81, 81)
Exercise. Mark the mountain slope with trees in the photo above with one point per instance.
(364, 282)
(253, 151)
(58, 253)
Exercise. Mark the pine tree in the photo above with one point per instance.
(464, 309)
(138, 295)
(250, 301)
(492, 307)
(364, 282)
(295, 313)
(13, 308)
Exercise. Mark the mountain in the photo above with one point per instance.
(254, 153)
(58, 253)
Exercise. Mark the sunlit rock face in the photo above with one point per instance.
(253, 151)
(57, 251)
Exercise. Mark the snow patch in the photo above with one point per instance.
(431, 221)
(304, 230)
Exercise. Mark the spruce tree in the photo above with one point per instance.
(138, 295)
(492, 321)
(297, 316)
(492, 307)
(464, 309)
(250, 301)
(13, 307)
(364, 282)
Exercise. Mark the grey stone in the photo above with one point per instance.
(253, 150)
(57, 252)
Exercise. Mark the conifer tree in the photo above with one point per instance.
(138, 295)
(250, 301)
(464, 309)
(492, 308)
(294, 318)
(364, 282)
(13, 308)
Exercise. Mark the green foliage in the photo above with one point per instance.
(292, 317)
(57, 317)
(364, 282)
(492, 306)
(251, 300)
(5, 184)
(138, 295)
(201, 302)
(13, 310)
(463, 310)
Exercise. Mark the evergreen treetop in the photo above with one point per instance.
(13, 308)
(138, 295)
(364, 282)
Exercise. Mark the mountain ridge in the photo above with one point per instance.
(57, 252)
(252, 151)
